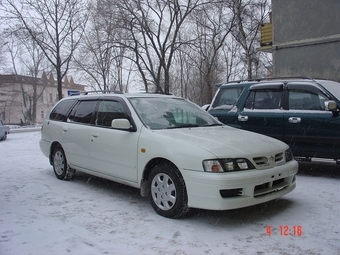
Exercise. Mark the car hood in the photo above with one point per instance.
(225, 140)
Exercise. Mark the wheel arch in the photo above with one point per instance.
(144, 189)
(53, 146)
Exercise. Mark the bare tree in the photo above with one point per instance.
(213, 26)
(249, 16)
(101, 54)
(154, 27)
(55, 25)
(3, 43)
(22, 49)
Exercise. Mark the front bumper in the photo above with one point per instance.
(224, 191)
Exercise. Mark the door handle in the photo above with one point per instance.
(242, 118)
(95, 135)
(294, 120)
(65, 129)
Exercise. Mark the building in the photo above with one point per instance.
(17, 96)
(304, 38)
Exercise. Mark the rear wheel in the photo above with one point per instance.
(61, 169)
(168, 195)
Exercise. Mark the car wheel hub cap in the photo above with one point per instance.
(163, 191)
(58, 163)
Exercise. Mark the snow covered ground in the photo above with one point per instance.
(40, 214)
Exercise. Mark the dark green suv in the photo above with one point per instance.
(304, 113)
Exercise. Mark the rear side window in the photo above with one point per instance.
(305, 100)
(82, 112)
(61, 110)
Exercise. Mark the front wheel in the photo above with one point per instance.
(4, 137)
(168, 195)
(61, 169)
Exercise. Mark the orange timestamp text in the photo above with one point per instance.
(286, 230)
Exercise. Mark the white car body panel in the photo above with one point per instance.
(123, 156)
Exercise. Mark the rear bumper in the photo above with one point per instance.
(45, 147)
(224, 191)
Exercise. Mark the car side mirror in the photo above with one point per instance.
(121, 124)
(330, 105)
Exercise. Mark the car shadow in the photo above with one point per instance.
(242, 216)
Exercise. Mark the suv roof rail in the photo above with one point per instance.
(264, 79)
(103, 92)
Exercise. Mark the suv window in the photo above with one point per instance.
(304, 100)
(60, 111)
(82, 112)
(263, 99)
(108, 111)
(227, 97)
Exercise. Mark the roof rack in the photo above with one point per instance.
(263, 79)
(103, 92)
(276, 78)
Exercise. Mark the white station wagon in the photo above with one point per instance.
(172, 150)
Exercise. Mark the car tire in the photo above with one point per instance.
(168, 194)
(4, 137)
(61, 169)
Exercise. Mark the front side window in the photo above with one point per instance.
(82, 112)
(108, 111)
(61, 110)
(263, 99)
(305, 100)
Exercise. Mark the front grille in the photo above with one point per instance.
(279, 157)
(269, 187)
(266, 161)
(261, 161)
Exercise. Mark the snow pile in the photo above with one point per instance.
(40, 214)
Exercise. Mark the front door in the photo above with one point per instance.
(113, 152)
(262, 112)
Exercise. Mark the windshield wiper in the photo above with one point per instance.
(184, 126)
(213, 125)
(224, 107)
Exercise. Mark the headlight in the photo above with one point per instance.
(289, 155)
(212, 166)
(227, 165)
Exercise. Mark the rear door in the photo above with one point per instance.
(262, 112)
(309, 129)
(76, 133)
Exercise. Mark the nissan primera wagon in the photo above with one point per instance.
(177, 154)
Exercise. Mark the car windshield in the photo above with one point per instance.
(168, 113)
(227, 98)
(331, 86)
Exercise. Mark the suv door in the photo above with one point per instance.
(309, 128)
(113, 152)
(262, 112)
